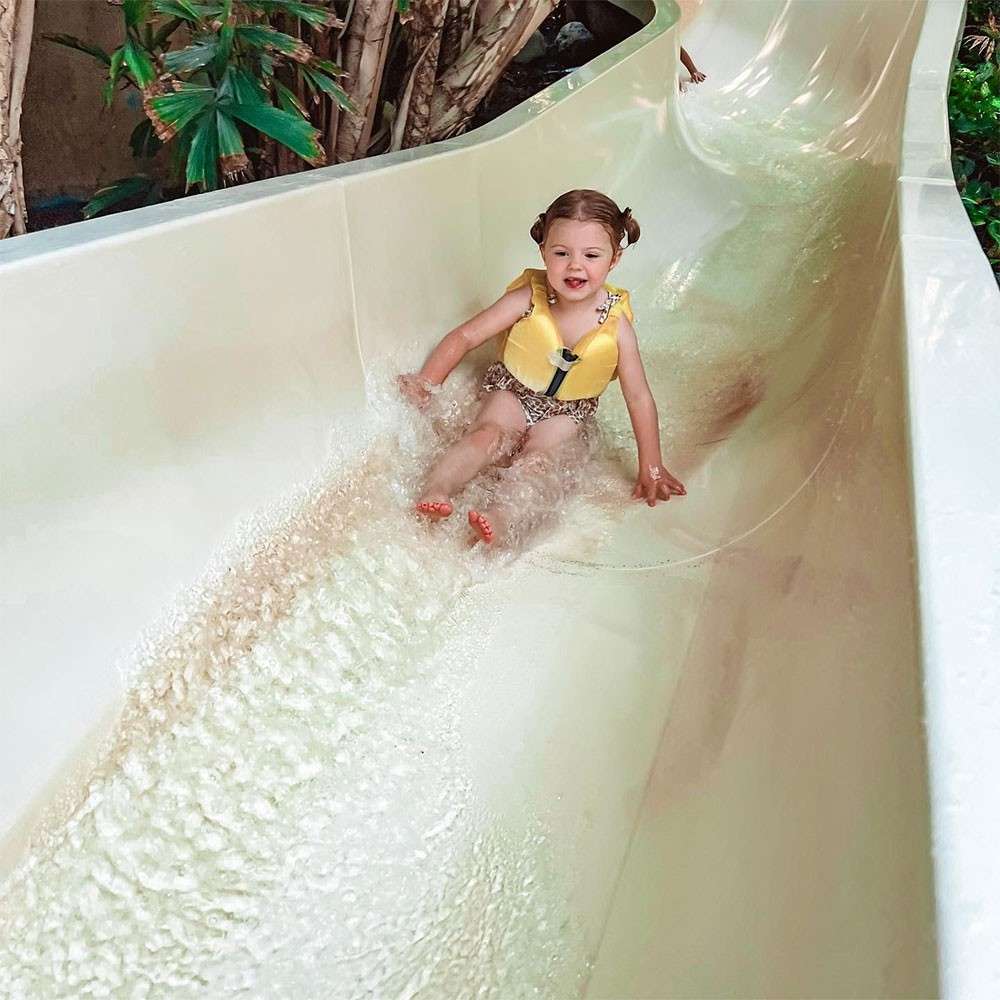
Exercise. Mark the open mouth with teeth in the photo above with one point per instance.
(575, 282)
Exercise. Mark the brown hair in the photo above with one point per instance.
(585, 205)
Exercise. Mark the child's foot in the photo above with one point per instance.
(481, 526)
(434, 509)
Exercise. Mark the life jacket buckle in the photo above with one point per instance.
(562, 360)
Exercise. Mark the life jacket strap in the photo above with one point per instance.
(562, 360)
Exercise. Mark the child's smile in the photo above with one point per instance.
(578, 256)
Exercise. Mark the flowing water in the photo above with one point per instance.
(286, 808)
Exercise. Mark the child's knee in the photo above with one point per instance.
(492, 438)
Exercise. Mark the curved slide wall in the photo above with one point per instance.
(723, 720)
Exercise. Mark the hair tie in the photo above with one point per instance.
(626, 214)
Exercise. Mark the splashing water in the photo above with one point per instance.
(285, 808)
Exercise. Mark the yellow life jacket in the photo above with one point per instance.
(535, 355)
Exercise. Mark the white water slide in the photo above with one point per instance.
(265, 735)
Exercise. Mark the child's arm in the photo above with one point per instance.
(653, 482)
(696, 74)
(500, 316)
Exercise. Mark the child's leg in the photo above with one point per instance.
(496, 430)
(535, 459)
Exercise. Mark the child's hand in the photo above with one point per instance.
(415, 389)
(697, 76)
(655, 483)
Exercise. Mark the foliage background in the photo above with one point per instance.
(974, 115)
(237, 90)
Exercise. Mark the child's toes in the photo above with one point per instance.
(481, 526)
(434, 509)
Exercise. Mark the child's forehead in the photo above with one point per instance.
(576, 231)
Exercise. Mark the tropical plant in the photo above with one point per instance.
(244, 89)
(974, 114)
(216, 100)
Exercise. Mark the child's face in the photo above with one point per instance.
(576, 252)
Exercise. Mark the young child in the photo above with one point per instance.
(567, 334)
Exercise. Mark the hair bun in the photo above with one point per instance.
(630, 226)
(537, 232)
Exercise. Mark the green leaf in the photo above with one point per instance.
(328, 87)
(977, 189)
(317, 16)
(127, 187)
(139, 63)
(984, 72)
(233, 160)
(289, 129)
(978, 215)
(135, 11)
(114, 75)
(241, 87)
(224, 49)
(144, 141)
(177, 8)
(993, 228)
(177, 152)
(196, 55)
(261, 36)
(230, 140)
(72, 42)
(288, 100)
(203, 155)
(330, 68)
(183, 106)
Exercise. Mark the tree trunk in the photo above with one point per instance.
(459, 27)
(486, 10)
(423, 36)
(466, 82)
(16, 20)
(366, 45)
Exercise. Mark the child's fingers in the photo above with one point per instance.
(413, 392)
(676, 486)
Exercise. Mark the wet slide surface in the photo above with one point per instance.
(364, 760)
